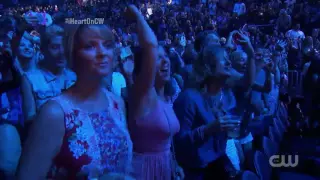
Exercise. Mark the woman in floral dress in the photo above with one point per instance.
(81, 134)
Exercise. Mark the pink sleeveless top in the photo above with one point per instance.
(152, 142)
(94, 143)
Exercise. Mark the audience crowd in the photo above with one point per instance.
(160, 90)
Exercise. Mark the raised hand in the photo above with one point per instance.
(132, 12)
(233, 33)
(282, 43)
(243, 38)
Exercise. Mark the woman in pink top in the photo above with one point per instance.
(152, 121)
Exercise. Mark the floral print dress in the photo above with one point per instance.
(94, 143)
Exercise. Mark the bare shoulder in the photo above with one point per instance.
(52, 108)
(49, 123)
(51, 114)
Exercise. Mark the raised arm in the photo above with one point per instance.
(43, 143)
(28, 101)
(246, 80)
(144, 80)
(267, 87)
(250, 75)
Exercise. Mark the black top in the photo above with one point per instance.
(15, 82)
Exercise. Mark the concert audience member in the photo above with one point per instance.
(311, 88)
(9, 75)
(51, 77)
(208, 140)
(10, 103)
(296, 35)
(81, 133)
(25, 58)
(239, 87)
(284, 21)
(152, 121)
(10, 112)
(262, 83)
(239, 8)
(175, 69)
(273, 96)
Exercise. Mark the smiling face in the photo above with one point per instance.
(25, 49)
(239, 61)
(213, 65)
(94, 51)
(163, 66)
(223, 65)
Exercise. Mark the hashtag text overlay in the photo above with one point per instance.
(84, 21)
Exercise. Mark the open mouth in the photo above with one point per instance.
(27, 52)
(103, 64)
(165, 70)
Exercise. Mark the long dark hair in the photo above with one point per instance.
(169, 89)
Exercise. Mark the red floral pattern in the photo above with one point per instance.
(94, 144)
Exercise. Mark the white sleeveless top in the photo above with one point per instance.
(95, 143)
